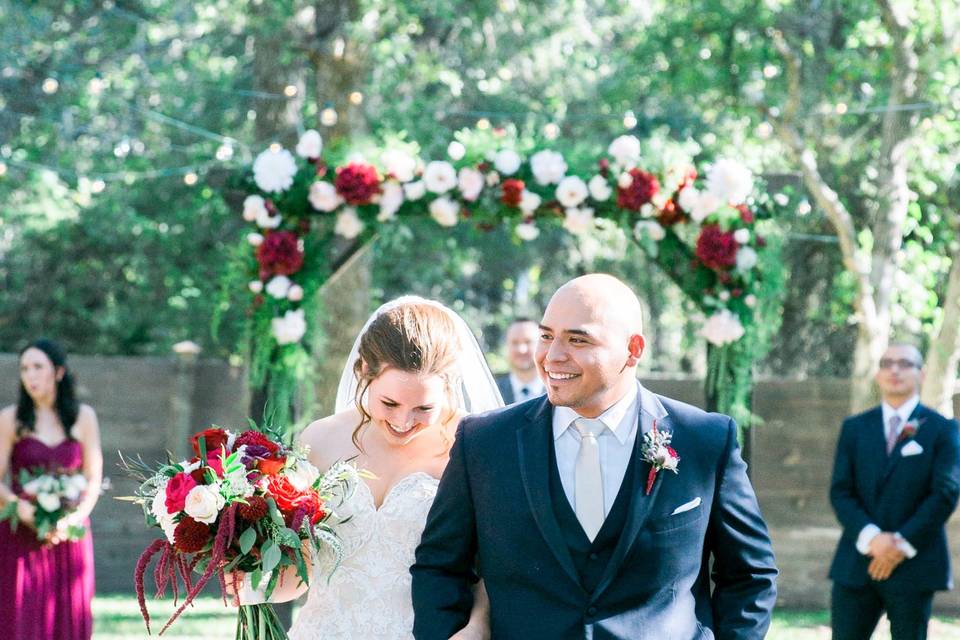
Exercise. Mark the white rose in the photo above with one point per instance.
(255, 239)
(650, 228)
(273, 171)
(203, 503)
(746, 259)
(742, 236)
(324, 197)
(399, 163)
(302, 475)
(295, 294)
(255, 286)
(158, 506)
(529, 202)
(252, 208)
(721, 328)
(706, 204)
(507, 162)
(471, 183)
(625, 150)
(349, 225)
(548, 167)
(49, 502)
(278, 287)
(414, 190)
(456, 151)
(578, 221)
(599, 188)
(310, 144)
(439, 176)
(289, 328)
(572, 191)
(445, 211)
(729, 181)
(688, 198)
(527, 231)
(390, 200)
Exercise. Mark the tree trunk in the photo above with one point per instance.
(941, 369)
(871, 341)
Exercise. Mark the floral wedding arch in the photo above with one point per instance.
(714, 233)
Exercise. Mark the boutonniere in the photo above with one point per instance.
(657, 451)
(909, 429)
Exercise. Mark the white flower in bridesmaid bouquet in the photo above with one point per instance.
(279, 287)
(548, 167)
(439, 176)
(274, 169)
(507, 161)
(571, 191)
(445, 211)
(48, 501)
(471, 183)
(323, 196)
(310, 144)
(290, 327)
(253, 208)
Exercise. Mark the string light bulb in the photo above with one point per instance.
(356, 98)
(629, 120)
(50, 86)
(483, 124)
(329, 117)
(224, 152)
(551, 131)
(290, 90)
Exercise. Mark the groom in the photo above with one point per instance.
(555, 503)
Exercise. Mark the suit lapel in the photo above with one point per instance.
(533, 442)
(894, 457)
(639, 510)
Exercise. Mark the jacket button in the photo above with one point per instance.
(591, 611)
(594, 556)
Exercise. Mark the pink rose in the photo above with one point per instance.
(177, 489)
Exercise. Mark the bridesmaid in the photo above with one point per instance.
(46, 588)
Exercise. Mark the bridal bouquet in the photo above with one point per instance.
(244, 503)
(54, 496)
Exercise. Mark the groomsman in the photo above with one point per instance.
(896, 480)
(522, 382)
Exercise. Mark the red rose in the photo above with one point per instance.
(283, 493)
(641, 190)
(215, 462)
(279, 254)
(512, 192)
(716, 249)
(357, 183)
(177, 489)
(271, 466)
(256, 439)
(213, 439)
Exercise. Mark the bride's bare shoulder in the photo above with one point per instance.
(331, 438)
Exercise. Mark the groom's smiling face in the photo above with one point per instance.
(588, 350)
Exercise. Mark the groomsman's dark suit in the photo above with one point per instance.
(912, 491)
(506, 388)
(499, 512)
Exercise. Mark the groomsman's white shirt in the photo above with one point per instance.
(616, 441)
(534, 388)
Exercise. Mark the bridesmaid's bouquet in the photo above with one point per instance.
(244, 503)
(54, 496)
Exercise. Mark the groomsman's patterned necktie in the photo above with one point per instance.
(893, 432)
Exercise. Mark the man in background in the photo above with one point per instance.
(522, 382)
(896, 480)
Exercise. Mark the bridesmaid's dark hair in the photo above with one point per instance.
(66, 403)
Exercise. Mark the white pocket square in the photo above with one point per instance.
(686, 506)
(912, 448)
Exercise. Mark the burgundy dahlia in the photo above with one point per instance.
(641, 190)
(512, 192)
(279, 254)
(190, 536)
(716, 248)
(255, 509)
(357, 183)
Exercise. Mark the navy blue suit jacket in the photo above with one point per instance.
(493, 517)
(911, 494)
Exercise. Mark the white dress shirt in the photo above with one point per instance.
(869, 532)
(534, 388)
(638, 407)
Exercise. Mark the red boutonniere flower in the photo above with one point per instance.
(657, 451)
(909, 430)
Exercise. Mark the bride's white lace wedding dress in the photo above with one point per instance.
(368, 596)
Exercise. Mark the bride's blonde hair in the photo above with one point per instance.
(414, 337)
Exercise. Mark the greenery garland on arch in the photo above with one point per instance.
(715, 234)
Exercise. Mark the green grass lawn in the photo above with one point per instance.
(118, 618)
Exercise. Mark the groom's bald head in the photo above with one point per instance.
(609, 299)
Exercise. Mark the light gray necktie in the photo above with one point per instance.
(893, 432)
(588, 492)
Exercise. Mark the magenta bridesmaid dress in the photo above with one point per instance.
(45, 591)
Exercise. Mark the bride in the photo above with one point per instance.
(414, 372)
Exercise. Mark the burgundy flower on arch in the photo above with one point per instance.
(279, 254)
(641, 190)
(512, 192)
(716, 248)
(357, 183)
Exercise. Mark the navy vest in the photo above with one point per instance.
(590, 559)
